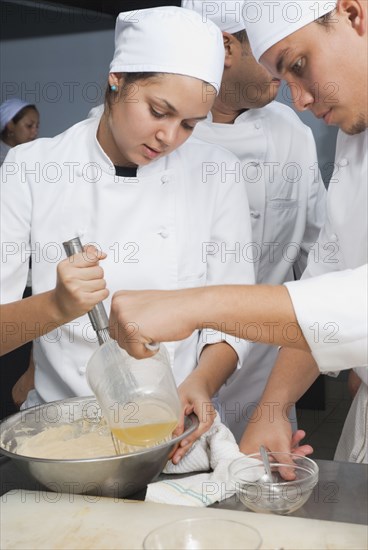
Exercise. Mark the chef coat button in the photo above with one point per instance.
(257, 126)
(164, 233)
(165, 179)
(343, 163)
(334, 238)
(82, 370)
(255, 214)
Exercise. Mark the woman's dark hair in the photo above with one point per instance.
(19, 117)
(129, 80)
(327, 19)
(23, 112)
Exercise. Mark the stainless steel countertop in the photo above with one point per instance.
(340, 495)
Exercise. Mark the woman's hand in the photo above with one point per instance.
(80, 283)
(195, 399)
(24, 384)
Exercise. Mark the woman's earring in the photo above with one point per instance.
(114, 88)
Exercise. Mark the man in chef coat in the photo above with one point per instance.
(307, 52)
(279, 167)
(320, 49)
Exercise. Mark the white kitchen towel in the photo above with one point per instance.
(215, 450)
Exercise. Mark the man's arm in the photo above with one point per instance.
(259, 313)
(294, 372)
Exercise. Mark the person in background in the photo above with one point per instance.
(132, 182)
(19, 122)
(279, 168)
(322, 319)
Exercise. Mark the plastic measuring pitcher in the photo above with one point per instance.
(144, 414)
(138, 397)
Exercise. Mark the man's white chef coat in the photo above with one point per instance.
(175, 225)
(332, 309)
(279, 168)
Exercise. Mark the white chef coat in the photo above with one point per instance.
(332, 309)
(340, 298)
(170, 227)
(279, 168)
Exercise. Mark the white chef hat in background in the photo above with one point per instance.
(9, 109)
(169, 40)
(269, 21)
(226, 14)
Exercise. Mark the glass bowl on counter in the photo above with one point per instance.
(280, 496)
(203, 534)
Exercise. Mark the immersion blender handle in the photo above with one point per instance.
(97, 315)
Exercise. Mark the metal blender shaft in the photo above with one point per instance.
(97, 315)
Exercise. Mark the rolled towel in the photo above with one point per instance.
(216, 450)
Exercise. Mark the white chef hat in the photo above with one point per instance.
(9, 109)
(226, 14)
(269, 21)
(169, 40)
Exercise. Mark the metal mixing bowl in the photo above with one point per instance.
(280, 496)
(111, 476)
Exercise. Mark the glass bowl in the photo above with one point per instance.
(207, 533)
(280, 496)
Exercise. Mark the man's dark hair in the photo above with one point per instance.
(241, 36)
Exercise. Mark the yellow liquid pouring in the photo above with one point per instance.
(144, 434)
(144, 423)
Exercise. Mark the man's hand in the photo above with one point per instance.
(138, 318)
(276, 436)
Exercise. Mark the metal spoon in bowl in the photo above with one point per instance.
(267, 477)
